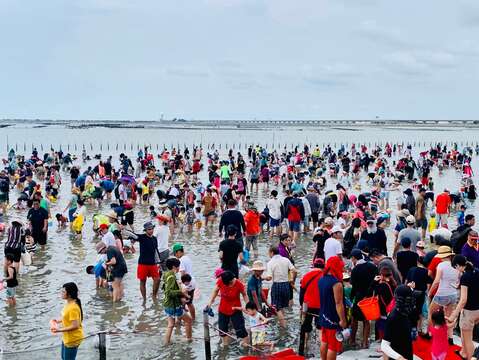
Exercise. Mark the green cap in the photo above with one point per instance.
(177, 247)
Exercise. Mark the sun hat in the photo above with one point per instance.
(100, 246)
(444, 252)
(257, 266)
(112, 215)
(177, 247)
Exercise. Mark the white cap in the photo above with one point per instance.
(336, 229)
(411, 219)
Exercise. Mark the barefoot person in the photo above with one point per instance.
(172, 301)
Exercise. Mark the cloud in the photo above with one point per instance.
(419, 62)
(338, 74)
(187, 72)
(388, 36)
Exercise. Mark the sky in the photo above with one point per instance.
(239, 59)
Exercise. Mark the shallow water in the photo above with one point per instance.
(38, 295)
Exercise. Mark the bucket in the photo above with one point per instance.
(370, 308)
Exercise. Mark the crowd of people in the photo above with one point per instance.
(341, 203)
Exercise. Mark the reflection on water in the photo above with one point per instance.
(38, 295)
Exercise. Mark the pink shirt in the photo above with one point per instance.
(440, 343)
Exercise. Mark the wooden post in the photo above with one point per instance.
(206, 335)
(102, 345)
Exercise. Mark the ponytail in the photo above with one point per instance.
(72, 291)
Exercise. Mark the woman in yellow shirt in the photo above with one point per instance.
(71, 322)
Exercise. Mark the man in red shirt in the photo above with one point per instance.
(443, 202)
(309, 295)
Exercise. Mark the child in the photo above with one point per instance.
(438, 330)
(198, 217)
(460, 215)
(432, 222)
(257, 324)
(190, 217)
(182, 218)
(431, 184)
(11, 280)
(62, 220)
(30, 245)
(190, 285)
(153, 213)
(173, 300)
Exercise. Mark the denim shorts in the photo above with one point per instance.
(174, 312)
(294, 226)
(444, 300)
(11, 291)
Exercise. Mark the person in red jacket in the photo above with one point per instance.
(253, 229)
(443, 202)
(309, 295)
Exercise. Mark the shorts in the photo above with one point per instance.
(254, 181)
(280, 294)
(211, 213)
(118, 274)
(294, 226)
(469, 318)
(145, 271)
(421, 223)
(11, 292)
(314, 217)
(191, 294)
(174, 312)
(236, 319)
(40, 237)
(274, 222)
(308, 320)
(384, 195)
(251, 241)
(328, 336)
(442, 218)
(17, 253)
(444, 300)
(258, 337)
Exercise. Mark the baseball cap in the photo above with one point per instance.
(103, 226)
(177, 247)
(357, 254)
(410, 219)
(336, 229)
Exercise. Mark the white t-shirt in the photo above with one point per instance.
(109, 239)
(123, 193)
(186, 265)
(162, 234)
(332, 247)
(274, 206)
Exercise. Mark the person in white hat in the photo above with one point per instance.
(409, 232)
(333, 245)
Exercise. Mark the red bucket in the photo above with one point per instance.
(370, 308)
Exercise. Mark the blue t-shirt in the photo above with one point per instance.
(328, 317)
(255, 285)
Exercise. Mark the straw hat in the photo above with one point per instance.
(444, 252)
(112, 215)
(258, 266)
